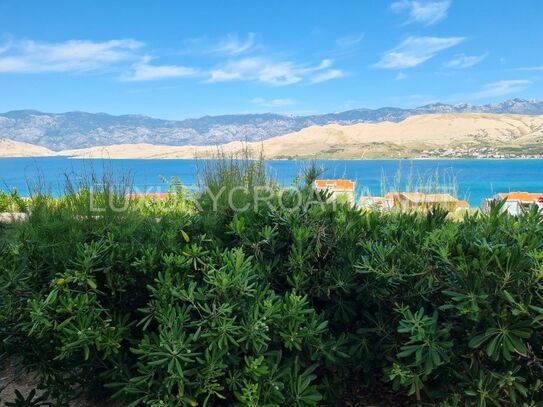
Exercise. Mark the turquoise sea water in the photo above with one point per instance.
(475, 179)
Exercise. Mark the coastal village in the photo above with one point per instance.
(345, 189)
(477, 153)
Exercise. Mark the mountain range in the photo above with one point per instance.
(76, 130)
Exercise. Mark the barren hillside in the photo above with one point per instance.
(411, 137)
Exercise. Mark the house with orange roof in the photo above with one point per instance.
(409, 201)
(517, 202)
(462, 205)
(413, 201)
(342, 189)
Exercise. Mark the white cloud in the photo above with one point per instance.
(71, 56)
(325, 63)
(276, 73)
(464, 61)
(229, 45)
(143, 71)
(272, 102)
(279, 73)
(327, 76)
(414, 51)
(233, 45)
(426, 12)
(125, 58)
(501, 88)
(349, 41)
(401, 76)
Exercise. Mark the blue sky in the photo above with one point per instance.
(179, 59)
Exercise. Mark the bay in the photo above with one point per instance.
(472, 180)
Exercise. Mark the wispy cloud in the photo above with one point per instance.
(464, 61)
(234, 59)
(233, 45)
(71, 56)
(327, 75)
(414, 51)
(230, 45)
(276, 73)
(501, 88)
(144, 71)
(401, 76)
(272, 102)
(349, 41)
(426, 12)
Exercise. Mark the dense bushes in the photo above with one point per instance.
(280, 304)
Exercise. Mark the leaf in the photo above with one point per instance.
(407, 351)
(517, 345)
(492, 346)
(51, 298)
(91, 283)
(478, 340)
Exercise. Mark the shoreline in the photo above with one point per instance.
(69, 157)
(475, 178)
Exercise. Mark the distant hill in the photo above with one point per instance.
(75, 130)
(435, 135)
(10, 148)
(483, 135)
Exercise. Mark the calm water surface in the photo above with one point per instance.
(475, 179)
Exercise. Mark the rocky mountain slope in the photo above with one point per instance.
(75, 130)
(432, 135)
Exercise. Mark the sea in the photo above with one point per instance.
(472, 180)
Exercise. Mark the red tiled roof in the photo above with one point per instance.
(344, 184)
(521, 196)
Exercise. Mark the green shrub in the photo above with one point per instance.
(4, 202)
(12, 202)
(280, 304)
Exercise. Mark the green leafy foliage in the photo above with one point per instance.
(12, 202)
(280, 304)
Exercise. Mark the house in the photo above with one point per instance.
(517, 202)
(410, 201)
(375, 202)
(339, 189)
(414, 201)
(462, 206)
